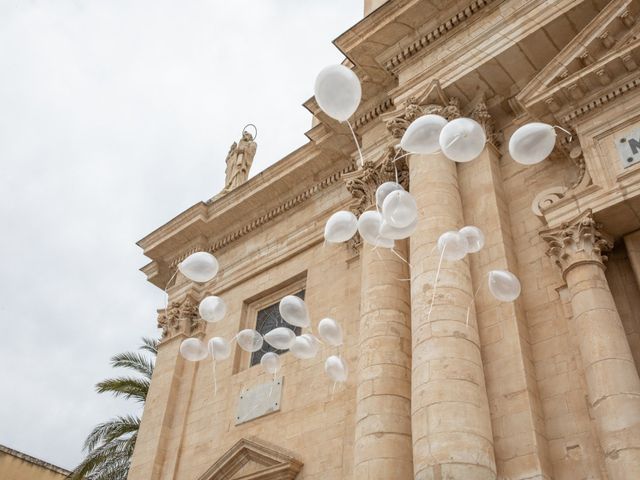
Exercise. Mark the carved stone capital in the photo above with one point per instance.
(433, 101)
(577, 242)
(363, 183)
(180, 318)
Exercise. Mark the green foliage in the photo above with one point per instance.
(110, 445)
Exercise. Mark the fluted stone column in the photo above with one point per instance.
(451, 431)
(383, 411)
(612, 379)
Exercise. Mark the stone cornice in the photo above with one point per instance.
(444, 28)
(275, 212)
(577, 242)
(373, 113)
(34, 460)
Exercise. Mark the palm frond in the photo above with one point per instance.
(103, 459)
(150, 345)
(126, 387)
(113, 429)
(134, 361)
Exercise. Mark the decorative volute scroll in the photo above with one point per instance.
(180, 318)
(548, 197)
(253, 459)
(578, 241)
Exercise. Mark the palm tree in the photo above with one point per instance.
(109, 446)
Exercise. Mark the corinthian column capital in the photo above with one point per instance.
(578, 241)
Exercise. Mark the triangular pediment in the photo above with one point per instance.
(254, 459)
(605, 53)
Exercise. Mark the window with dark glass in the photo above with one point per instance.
(267, 319)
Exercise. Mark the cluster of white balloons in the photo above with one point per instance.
(202, 267)
(396, 218)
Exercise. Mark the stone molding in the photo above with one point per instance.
(272, 463)
(34, 460)
(180, 318)
(441, 30)
(577, 242)
(263, 219)
(374, 113)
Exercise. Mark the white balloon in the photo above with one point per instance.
(249, 340)
(387, 231)
(504, 285)
(340, 227)
(385, 189)
(423, 135)
(462, 139)
(305, 346)
(193, 349)
(212, 309)
(330, 331)
(399, 209)
(219, 348)
(369, 225)
(336, 369)
(294, 311)
(338, 92)
(453, 244)
(281, 338)
(199, 267)
(270, 361)
(474, 237)
(532, 143)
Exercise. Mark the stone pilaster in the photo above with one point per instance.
(160, 435)
(383, 408)
(613, 386)
(452, 436)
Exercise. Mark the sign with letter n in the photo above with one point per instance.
(628, 145)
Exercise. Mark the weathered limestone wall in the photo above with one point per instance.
(17, 466)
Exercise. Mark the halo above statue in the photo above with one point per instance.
(255, 129)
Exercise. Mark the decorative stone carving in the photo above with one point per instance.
(363, 183)
(239, 160)
(550, 196)
(578, 241)
(256, 460)
(180, 318)
(433, 101)
(481, 114)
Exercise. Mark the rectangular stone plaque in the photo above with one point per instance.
(259, 400)
(628, 145)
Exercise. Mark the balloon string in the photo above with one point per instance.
(471, 301)
(565, 131)
(399, 256)
(215, 378)
(435, 283)
(166, 307)
(355, 139)
(455, 139)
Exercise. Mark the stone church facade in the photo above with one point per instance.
(546, 387)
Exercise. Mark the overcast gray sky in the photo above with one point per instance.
(115, 116)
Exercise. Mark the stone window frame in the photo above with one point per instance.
(255, 304)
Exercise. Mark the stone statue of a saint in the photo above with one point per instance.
(239, 160)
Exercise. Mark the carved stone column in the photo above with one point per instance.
(452, 435)
(451, 424)
(383, 408)
(613, 384)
